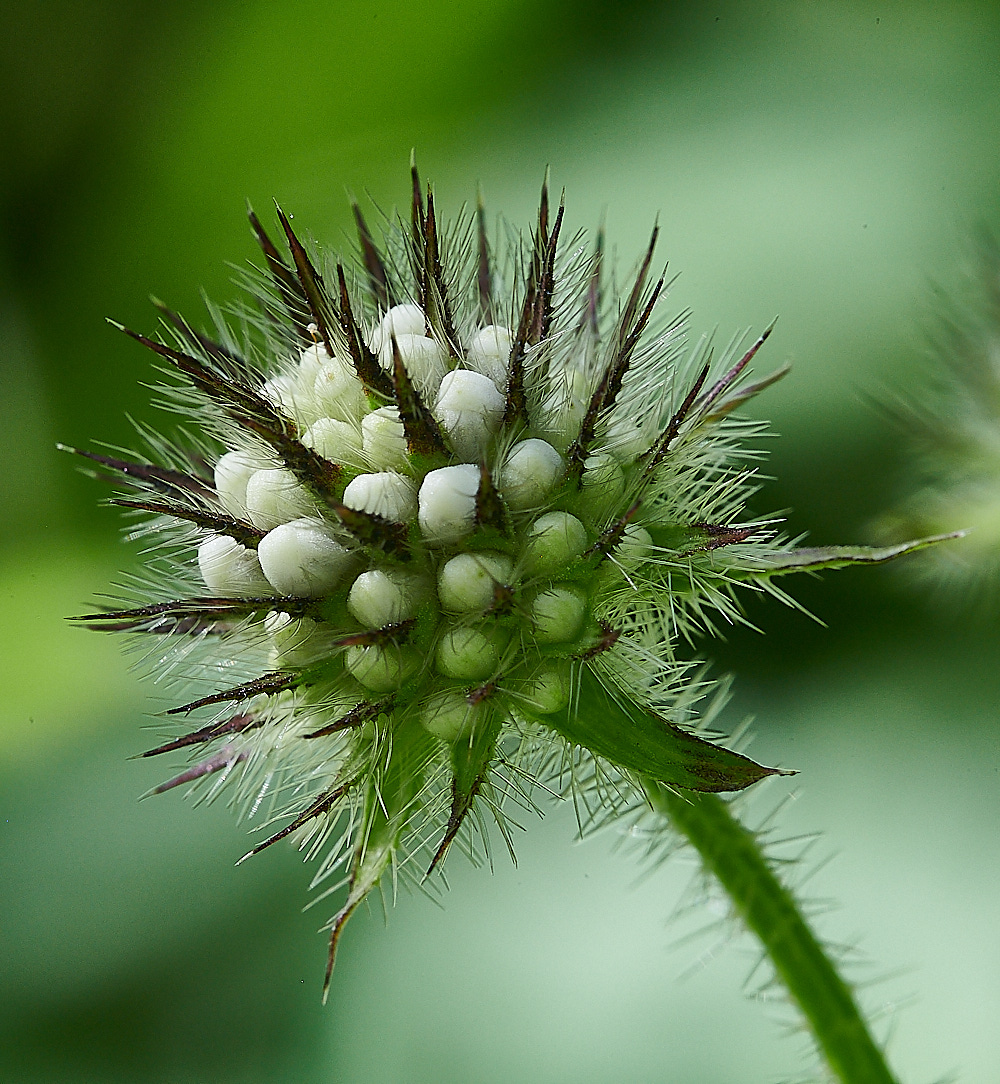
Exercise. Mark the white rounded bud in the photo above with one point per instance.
(557, 614)
(385, 494)
(425, 362)
(467, 654)
(383, 439)
(274, 496)
(381, 669)
(338, 441)
(548, 690)
(231, 570)
(337, 392)
(301, 558)
(283, 391)
(448, 715)
(379, 598)
(466, 583)
(470, 409)
(311, 360)
(529, 474)
(232, 472)
(489, 353)
(399, 320)
(447, 502)
(554, 540)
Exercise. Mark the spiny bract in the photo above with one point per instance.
(448, 520)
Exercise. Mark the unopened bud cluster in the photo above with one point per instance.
(449, 530)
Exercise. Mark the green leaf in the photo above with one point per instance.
(816, 558)
(638, 739)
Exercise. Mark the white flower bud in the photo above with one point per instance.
(283, 391)
(448, 715)
(381, 669)
(529, 474)
(274, 496)
(338, 441)
(383, 439)
(489, 353)
(232, 472)
(301, 558)
(381, 598)
(399, 320)
(447, 502)
(231, 570)
(311, 360)
(557, 614)
(470, 408)
(554, 540)
(337, 392)
(467, 654)
(385, 494)
(466, 583)
(425, 362)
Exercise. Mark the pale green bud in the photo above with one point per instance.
(530, 473)
(557, 614)
(311, 360)
(554, 540)
(448, 715)
(548, 691)
(383, 597)
(295, 641)
(603, 480)
(467, 583)
(467, 654)
(381, 669)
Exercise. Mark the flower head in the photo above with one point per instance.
(452, 510)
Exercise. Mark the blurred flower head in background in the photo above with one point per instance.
(950, 420)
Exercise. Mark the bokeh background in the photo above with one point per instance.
(824, 162)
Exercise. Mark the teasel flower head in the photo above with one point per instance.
(452, 513)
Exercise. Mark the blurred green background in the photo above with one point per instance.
(820, 161)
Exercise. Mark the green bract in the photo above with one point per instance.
(446, 527)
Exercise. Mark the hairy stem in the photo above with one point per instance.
(732, 854)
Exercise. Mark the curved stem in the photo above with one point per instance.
(732, 854)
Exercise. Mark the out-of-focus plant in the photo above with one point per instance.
(440, 524)
(951, 422)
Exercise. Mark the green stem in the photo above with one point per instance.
(733, 855)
